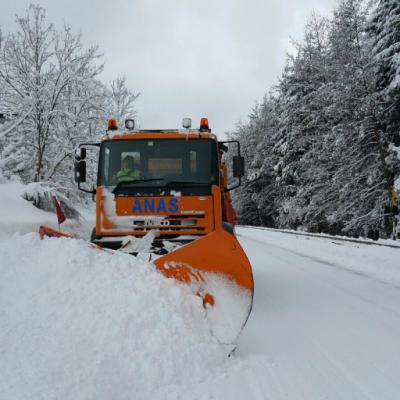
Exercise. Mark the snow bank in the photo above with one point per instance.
(300, 232)
(42, 196)
(18, 215)
(378, 262)
(81, 323)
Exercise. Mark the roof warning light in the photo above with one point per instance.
(204, 125)
(112, 124)
(187, 123)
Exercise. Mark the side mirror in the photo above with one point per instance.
(80, 171)
(238, 166)
(80, 153)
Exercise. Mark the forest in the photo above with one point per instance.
(323, 146)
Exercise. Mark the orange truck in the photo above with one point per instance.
(169, 188)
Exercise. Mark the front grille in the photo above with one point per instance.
(174, 223)
(169, 228)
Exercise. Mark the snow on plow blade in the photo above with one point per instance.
(221, 274)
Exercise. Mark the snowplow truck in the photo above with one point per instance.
(166, 193)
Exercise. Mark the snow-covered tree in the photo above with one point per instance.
(328, 161)
(121, 100)
(301, 119)
(360, 181)
(384, 34)
(42, 68)
(53, 98)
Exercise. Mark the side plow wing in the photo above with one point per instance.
(45, 231)
(221, 274)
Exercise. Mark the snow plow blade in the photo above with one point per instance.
(220, 272)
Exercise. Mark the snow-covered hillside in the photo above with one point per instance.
(81, 323)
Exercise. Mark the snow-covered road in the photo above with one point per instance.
(321, 327)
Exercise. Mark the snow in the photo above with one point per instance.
(322, 327)
(78, 322)
(395, 84)
(82, 323)
(132, 244)
(18, 215)
(230, 310)
(378, 262)
(35, 191)
(302, 232)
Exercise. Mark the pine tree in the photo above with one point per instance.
(322, 145)
(301, 118)
(384, 34)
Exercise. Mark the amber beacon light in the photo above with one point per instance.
(112, 124)
(204, 125)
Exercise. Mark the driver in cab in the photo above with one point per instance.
(128, 172)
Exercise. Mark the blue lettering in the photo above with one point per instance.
(161, 206)
(137, 207)
(173, 205)
(149, 205)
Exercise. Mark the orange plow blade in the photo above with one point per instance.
(221, 274)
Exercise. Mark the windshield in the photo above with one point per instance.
(139, 161)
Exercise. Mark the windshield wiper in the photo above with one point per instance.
(165, 183)
(169, 183)
(122, 184)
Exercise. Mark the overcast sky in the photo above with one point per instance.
(212, 58)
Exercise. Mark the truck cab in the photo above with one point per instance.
(176, 184)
